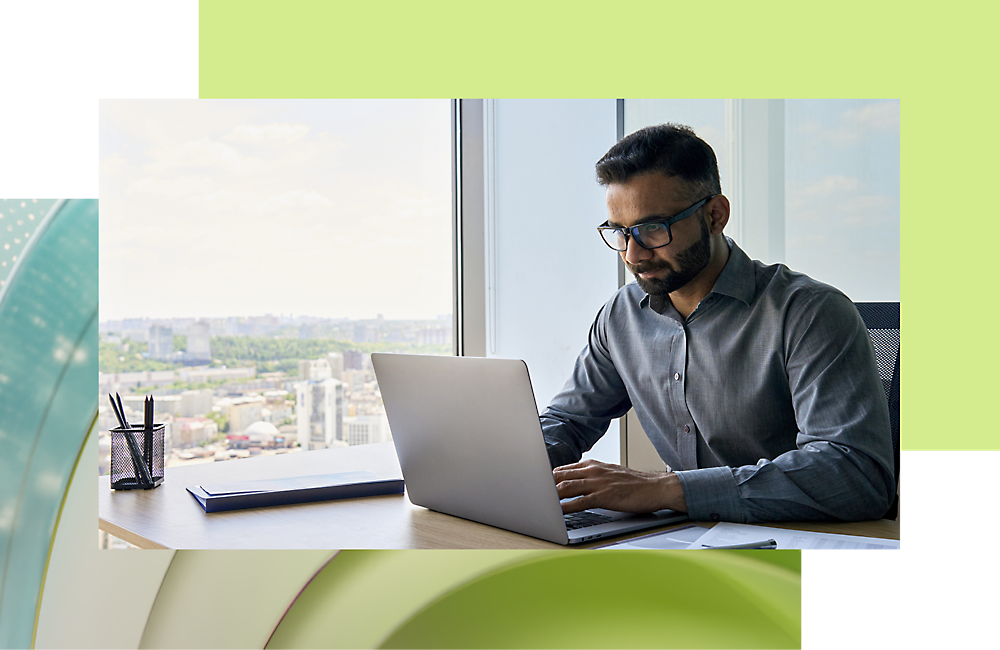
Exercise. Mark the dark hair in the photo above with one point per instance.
(672, 149)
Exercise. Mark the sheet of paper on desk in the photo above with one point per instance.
(671, 539)
(729, 534)
(289, 483)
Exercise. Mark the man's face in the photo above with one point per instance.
(654, 196)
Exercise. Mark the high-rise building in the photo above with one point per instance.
(336, 361)
(315, 370)
(320, 413)
(353, 360)
(161, 342)
(198, 342)
(366, 429)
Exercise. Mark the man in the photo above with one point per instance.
(757, 385)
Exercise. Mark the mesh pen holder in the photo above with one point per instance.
(124, 473)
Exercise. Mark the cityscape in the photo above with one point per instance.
(239, 387)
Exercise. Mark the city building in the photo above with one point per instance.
(353, 360)
(366, 429)
(202, 375)
(190, 432)
(320, 413)
(354, 380)
(336, 362)
(199, 349)
(434, 336)
(194, 403)
(241, 412)
(314, 369)
(161, 342)
(262, 434)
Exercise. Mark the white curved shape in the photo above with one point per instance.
(228, 599)
(94, 598)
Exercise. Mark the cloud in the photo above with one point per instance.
(841, 199)
(268, 133)
(201, 154)
(856, 124)
(387, 242)
(424, 207)
(879, 115)
(295, 199)
(171, 187)
(114, 163)
(827, 187)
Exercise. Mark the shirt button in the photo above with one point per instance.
(714, 516)
(687, 429)
(677, 376)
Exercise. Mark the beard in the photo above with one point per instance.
(690, 262)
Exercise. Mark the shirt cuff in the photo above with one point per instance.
(711, 494)
(559, 452)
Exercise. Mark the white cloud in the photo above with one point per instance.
(827, 187)
(268, 133)
(878, 115)
(295, 199)
(173, 187)
(114, 163)
(387, 242)
(203, 153)
(424, 207)
(857, 123)
(843, 199)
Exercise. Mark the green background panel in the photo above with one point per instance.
(939, 64)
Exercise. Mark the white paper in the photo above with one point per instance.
(728, 534)
(679, 538)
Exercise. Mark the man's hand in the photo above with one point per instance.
(601, 485)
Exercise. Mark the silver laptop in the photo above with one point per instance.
(469, 442)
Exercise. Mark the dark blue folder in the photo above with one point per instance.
(296, 489)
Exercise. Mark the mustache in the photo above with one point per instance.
(648, 267)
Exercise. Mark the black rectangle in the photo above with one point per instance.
(279, 492)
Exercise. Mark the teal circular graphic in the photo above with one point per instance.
(48, 367)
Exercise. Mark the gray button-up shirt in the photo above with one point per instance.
(766, 401)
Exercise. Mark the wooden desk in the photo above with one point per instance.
(169, 517)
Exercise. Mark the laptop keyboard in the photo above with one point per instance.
(584, 519)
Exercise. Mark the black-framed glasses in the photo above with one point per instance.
(651, 234)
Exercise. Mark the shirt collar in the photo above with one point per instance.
(736, 280)
(738, 277)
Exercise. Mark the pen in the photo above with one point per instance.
(114, 407)
(142, 476)
(147, 434)
(121, 409)
(769, 544)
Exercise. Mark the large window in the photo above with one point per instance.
(814, 183)
(252, 256)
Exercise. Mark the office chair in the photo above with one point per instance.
(882, 321)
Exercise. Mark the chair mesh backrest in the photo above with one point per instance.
(882, 321)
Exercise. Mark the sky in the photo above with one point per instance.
(342, 208)
(329, 208)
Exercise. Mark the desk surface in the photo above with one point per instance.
(169, 517)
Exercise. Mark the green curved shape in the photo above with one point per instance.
(623, 599)
(549, 599)
(48, 399)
